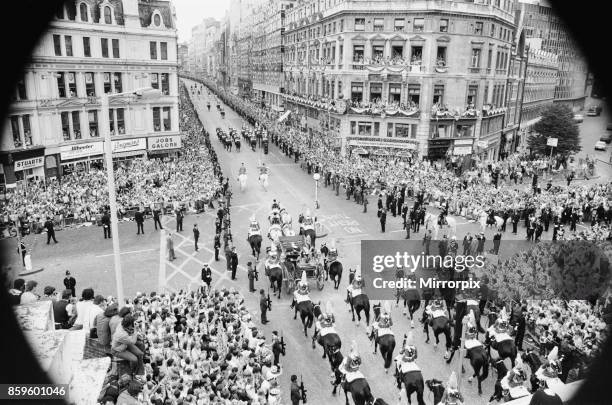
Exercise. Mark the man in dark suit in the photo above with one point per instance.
(106, 224)
(383, 219)
(24, 252)
(157, 219)
(206, 275)
(427, 241)
(50, 230)
(263, 306)
(196, 235)
(139, 218)
(515, 220)
(179, 220)
(217, 245)
(70, 283)
(234, 262)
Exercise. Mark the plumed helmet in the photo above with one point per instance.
(452, 384)
(329, 309)
(409, 348)
(471, 324)
(354, 354)
(386, 308)
(304, 279)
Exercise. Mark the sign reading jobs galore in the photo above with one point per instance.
(29, 163)
(165, 142)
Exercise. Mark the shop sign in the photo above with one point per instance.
(398, 145)
(552, 142)
(165, 142)
(31, 163)
(126, 145)
(81, 150)
(483, 144)
(463, 142)
(462, 150)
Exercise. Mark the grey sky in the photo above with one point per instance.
(192, 12)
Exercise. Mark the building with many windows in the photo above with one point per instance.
(390, 76)
(94, 47)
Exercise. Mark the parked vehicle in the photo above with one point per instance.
(607, 137)
(600, 145)
(594, 111)
(578, 118)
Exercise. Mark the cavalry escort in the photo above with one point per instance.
(303, 304)
(439, 323)
(407, 372)
(254, 237)
(357, 299)
(383, 336)
(325, 333)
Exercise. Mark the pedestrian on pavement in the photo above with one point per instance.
(217, 245)
(263, 306)
(496, 242)
(196, 235)
(24, 251)
(139, 218)
(179, 220)
(157, 219)
(407, 227)
(70, 283)
(170, 243)
(106, 224)
(427, 241)
(296, 395)
(206, 276)
(481, 243)
(383, 219)
(365, 202)
(251, 275)
(234, 262)
(50, 230)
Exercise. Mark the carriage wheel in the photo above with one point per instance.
(320, 277)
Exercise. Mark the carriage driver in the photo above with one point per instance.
(354, 289)
(405, 362)
(350, 365)
(325, 322)
(301, 294)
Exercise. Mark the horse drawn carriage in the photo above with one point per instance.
(298, 258)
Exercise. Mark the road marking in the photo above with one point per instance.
(127, 253)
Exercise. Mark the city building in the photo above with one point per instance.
(423, 78)
(183, 56)
(268, 52)
(541, 22)
(201, 47)
(94, 47)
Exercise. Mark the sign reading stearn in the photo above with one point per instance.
(389, 266)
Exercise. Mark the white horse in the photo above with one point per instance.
(484, 218)
(263, 180)
(242, 179)
(275, 232)
(285, 217)
(431, 222)
(288, 230)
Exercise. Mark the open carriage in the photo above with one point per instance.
(293, 250)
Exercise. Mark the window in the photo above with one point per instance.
(357, 91)
(475, 59)
(92, 116)
(117, 82)
(72, 88)
(389, 130)
(156, 119)
(86, 47)
(17, 141)
(108, 15)
(108, 88)
(165, 84)
(61, 85)
(27, 131)
(376, 129)
(153, 49)
(166, 118)
(471, 96)
(65, 126)
(438, 94)
(359, 24)
(402, 130)
(375, 91)
(395, 92)
(112, 125)
(379, 24)
(357, 53)
(365, 128)
(489, 58)
(441, 131)
(353, 128)
(444, 25)
(478, 28)
(464, 131)
(157, 20)
(397, 51)
(419, 24)
(414, 94)
(71, 10)
(68, 42)
(59, 13)
(378, 52)
(57, 45)
(104, 45)
(84, 10)
(399, 24)
(90, 84)
(21, 90)
(155, 80)
(121, 121)
(441, 56)
(341, 25)
(416, 54)
(76, 124)
(163, 48)
(492, 30)
(115, 48)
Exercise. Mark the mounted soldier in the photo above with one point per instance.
(350, 366)
(514, 382)
(382, 325)
(254, 228)
(354, 289)
(451, 395)
(303, 304)
(301, 293)
(407, 372)
(549, 372)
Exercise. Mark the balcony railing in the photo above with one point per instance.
(474, 70)
(441, 66)
(443, 111)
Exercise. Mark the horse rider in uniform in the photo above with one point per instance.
(500, 330)
(274, 216)
(382, 326)
(451, 395)
(471, 336)
(301, 294)
(254, 228)
(271, 260)
(548, 373)
(405, 362)
(354, 289)
(513, 383)
(242, 170)
(350, 365)
(436, 309)
(325, 323)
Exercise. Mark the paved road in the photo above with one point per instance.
(591, 129)
(89, 257)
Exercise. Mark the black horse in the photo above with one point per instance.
(330, 342)
(255, 242)
(387, 345)
(276, 279)
(413, 382)
(306, 309)
(358, 304)
(502, 370)
(479, 359)
(437, 389)
(505, 348)
(335, 273)
(412, 300)
(440, 324)
(360, 392)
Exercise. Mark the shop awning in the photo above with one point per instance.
(284, 116)
(129, 153)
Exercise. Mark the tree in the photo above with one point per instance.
(557, 122)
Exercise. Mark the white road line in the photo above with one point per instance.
(127, 253)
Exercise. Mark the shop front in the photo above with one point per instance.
(22, 165)
(437, 149)
(125, 150)
(81, 157)
(160, 147)
(373, 148)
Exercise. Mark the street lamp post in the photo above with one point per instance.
(316, 177)
(110, 177)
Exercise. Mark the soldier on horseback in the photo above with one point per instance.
(324, 324)
(350, 365)
(405, 362)
(354, 289)
(301, 294)
(500, 330)
(513, 383)
(254, 228)
(549, 372)
(451, 395)
(435, 309)
(382, 326)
